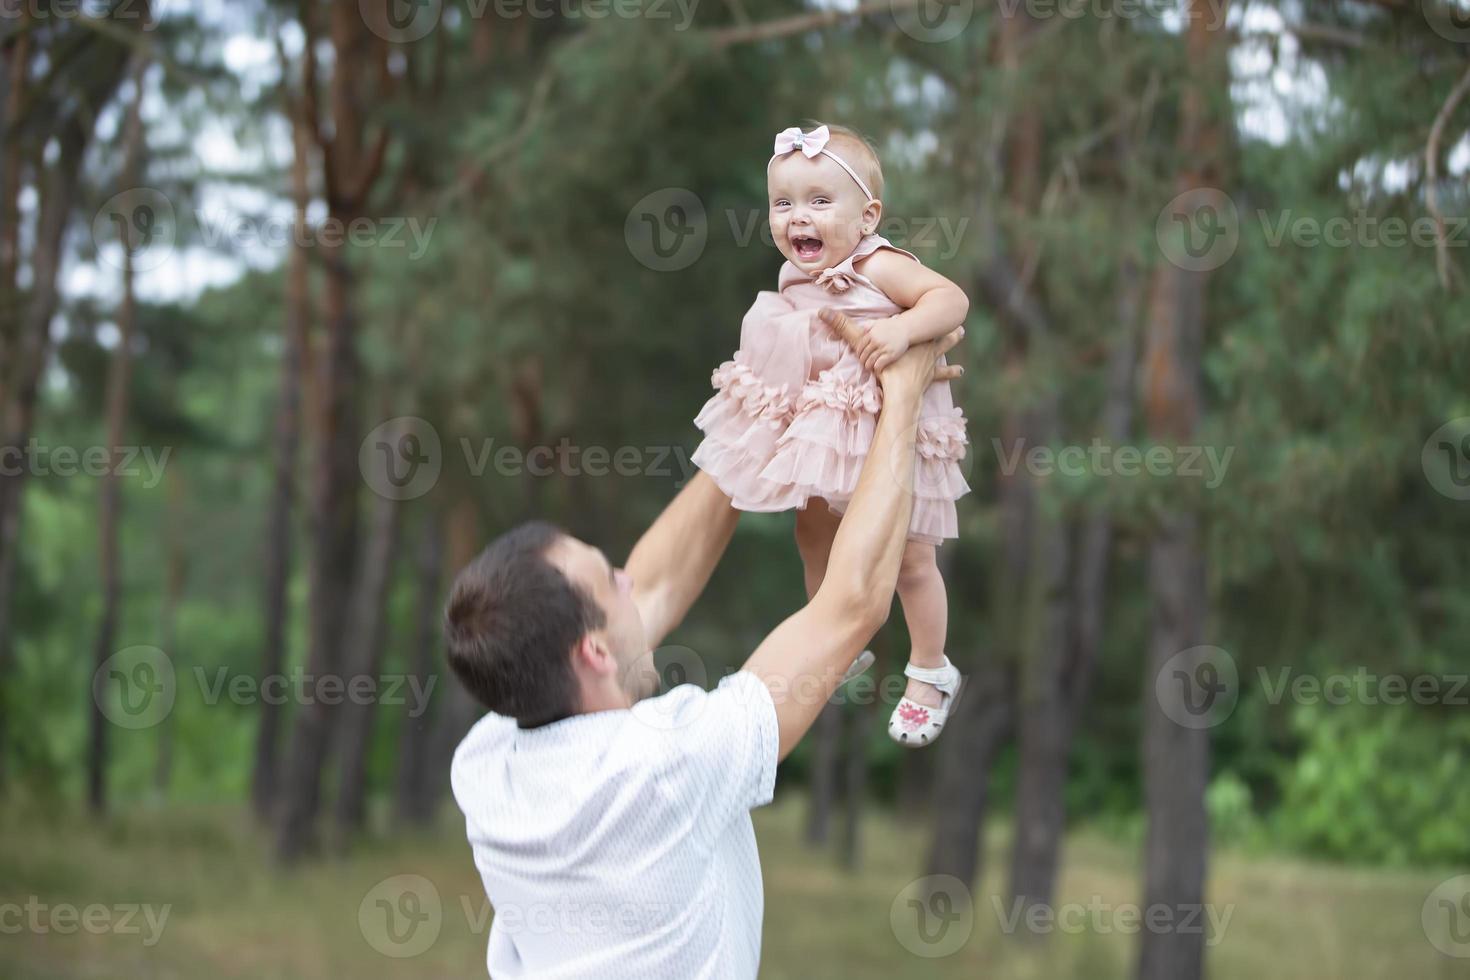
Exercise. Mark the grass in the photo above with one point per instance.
(231, 915)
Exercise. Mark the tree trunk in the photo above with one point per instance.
(984, 717)
(279, 538)
(1044, 721)
(12, 158)
(458, 710)
(1071, 636)
(366, 629)
(1096, 534)
(119, 381)
(1176, 758)
(175, 568)
(978, 728)
(916, 779)
(855, 784)
(351, 168)
(414, 793)
(825, 743)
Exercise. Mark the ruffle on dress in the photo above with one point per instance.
(771, 452)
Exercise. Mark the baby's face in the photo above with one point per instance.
(818, 214)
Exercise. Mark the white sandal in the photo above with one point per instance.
(914, 725)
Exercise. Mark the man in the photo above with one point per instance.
(611, 828)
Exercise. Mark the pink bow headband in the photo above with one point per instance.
(811, 144)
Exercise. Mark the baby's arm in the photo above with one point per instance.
(933, 306)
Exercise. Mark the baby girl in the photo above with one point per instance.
(796, 408)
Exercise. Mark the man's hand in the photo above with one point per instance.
(920, 361)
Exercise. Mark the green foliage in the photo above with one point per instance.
(1377, 783)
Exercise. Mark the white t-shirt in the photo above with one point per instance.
(619, 843)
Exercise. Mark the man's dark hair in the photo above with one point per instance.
(510, 624)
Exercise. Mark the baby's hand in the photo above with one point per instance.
(883, 342)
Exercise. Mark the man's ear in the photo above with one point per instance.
(593, 655)
(872, 216)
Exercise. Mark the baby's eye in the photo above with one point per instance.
(821, 200)
(781, 203)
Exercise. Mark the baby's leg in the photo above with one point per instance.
(816, 526)
(926, 611)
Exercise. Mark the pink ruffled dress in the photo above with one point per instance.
(795, 410)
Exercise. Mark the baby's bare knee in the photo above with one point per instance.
(814, 532)
(918, 567)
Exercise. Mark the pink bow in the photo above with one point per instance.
(810, 144)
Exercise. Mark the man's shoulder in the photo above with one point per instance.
(688, 705)
(489, 736)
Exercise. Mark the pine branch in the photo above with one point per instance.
(1431, 182)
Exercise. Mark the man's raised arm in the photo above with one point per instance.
(673, 560)
(804, 658)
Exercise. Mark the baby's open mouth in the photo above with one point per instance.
(806, 248)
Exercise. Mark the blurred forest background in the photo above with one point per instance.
(304, 301)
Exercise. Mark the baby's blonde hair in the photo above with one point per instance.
(858, 151)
